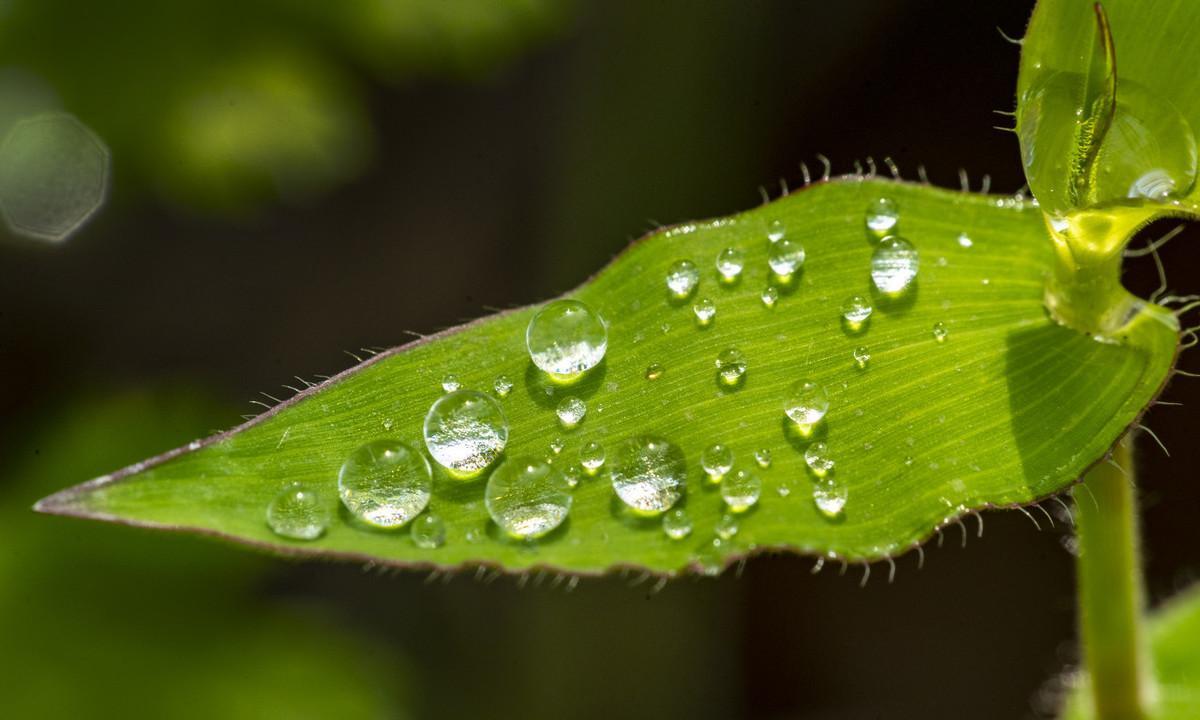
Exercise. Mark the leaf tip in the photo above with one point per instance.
(70, 502)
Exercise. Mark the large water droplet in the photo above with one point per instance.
(730, 262)
(385, 483)
(818, 460)
(682, 278)
(726, 527)
(731, 366)
(894, 265)
(298, 513)
(465, 431)
(429, 531)
(570, 411)
(785, 257)
(527, 498)
(677, 524)
(882, 216)
(741, 490)
(705, 311)
(648, 474)
(591, 456)
(830, 498)
(856, 310)
(566, 339)
(806, 403)
(716, 460)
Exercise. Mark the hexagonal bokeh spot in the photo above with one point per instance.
(54, 175)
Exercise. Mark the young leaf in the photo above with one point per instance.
(972, 398)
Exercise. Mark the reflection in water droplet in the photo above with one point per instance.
(298, 513)
(677, 524)
(503, 385)
(785, 257)
(741, 490)
(682, 278)
(940, 332)
(716, 460)
(806, 404)
(882, 216)
(818, 460)
(727, 526)
(465, 431)
(428, 531)
(566, 338)
(769, 296)
(591, 456)
(450, 383)
(527, 498)
(385, 483)
(705, 311)
(762, 456)
(570, 411)
(648, 474)
(731, 366)
(730, 262)
(862, 356)
(654, 371)
(894, 265)
(856, 310)
(830, 498)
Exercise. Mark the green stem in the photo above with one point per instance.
(1110, 589)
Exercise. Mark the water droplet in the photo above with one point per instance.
(557, 445)
(527, 498)
(964, 240)
(741, 490)
(705, 311)
(570, 411)
(730, 262)
(450, 383)
(882, 217)
(474, 536)
(428, 531)
(762, 456)
(856, 310)
(682, 278)
(677, 524)
(894, 265)
(716, 460)
(648, 474)
(769, 296)
(298, 513)
(727, 527)
(503, 385)
(385, 483)
(591, 456)
(731, 366)
(566, 339)
(818, 460)
(940, 332)
(783, 491)
(654, 371)
(776, 231)
(806, 403)
(830, 498)
(465, 431)
(862, 356)
(571, 474)
(710, 558)
(785, 257)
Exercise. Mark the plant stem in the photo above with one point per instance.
(1110, 589)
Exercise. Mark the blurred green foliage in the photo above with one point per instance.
(112, 622)
(221, 105)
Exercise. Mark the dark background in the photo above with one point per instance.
(511, 183)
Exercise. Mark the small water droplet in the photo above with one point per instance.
(818, 460)
(783, 491)
(465, 431)
(527, 498)
(776, 231)
(806, 403)
(571, 474)
(882, 216)
(591, 456)
(428, 531)
(298, 513)
(762, 456)
(654, 371)
(705, 311)
(785, 257)
(474, 536)
(741, 491)
(769, 296)
(566, 339)
(557, 445)
(450, 383)
(385, 483)
(830, 498)
(710, 557)
(648, 474)
(856, 310)
(894, 265)
(677, 524)
(731, 366)
(570, 411)
(503, 385)
(682, 278)
(730, 262)
(716, 460)
(964, 240)
(727, 527)
(862, 356)
(940, 332)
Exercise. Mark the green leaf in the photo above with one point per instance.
(1005, 411)
(1174, 663)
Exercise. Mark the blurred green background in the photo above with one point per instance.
(290, 180)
